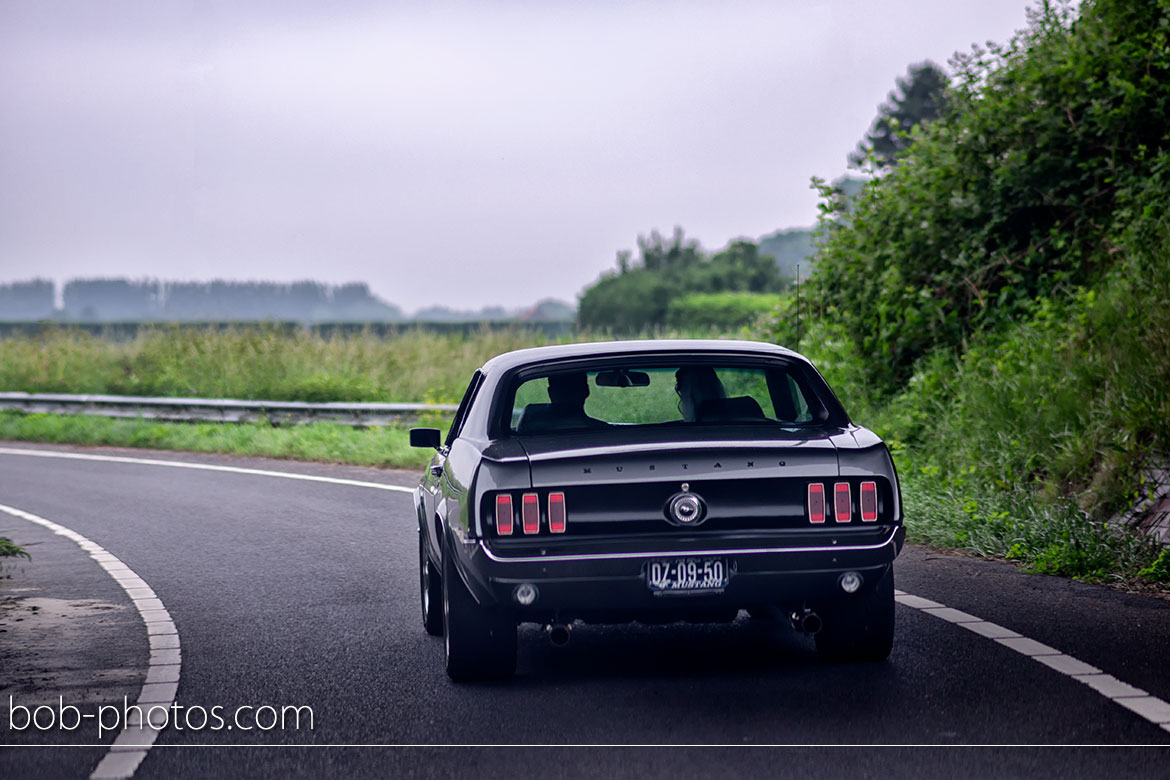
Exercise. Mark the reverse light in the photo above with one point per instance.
(525, 593)
(842, 502)
(816, 502)
(556, 513)
(504, 514)
(869, 510)
(530, 513)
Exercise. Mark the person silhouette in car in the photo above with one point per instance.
(694, 385)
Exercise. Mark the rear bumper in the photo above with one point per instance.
(614, 585)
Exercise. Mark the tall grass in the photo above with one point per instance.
(255, 363)
(266, 363)
(261, 363)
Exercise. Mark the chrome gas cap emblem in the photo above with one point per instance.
(685, 508)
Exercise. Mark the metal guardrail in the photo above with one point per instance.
(218, 409)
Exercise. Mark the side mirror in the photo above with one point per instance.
(425, 437)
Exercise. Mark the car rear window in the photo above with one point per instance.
(678, 395)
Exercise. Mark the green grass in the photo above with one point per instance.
(265, 363)
(325, 442)
(1042, 535)
(262, 363)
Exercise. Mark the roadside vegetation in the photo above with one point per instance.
(255, 363)
(997, 302)
(324, 442)
(724, 311)
(994, 301)
(656, 289)
(252, 363)
(9, 549)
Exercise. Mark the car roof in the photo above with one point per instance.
(536, 355)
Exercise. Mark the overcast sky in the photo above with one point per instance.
(456, 153)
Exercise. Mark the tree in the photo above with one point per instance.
(638, 294)
(31, 300)
(919, 97)
(659, 254)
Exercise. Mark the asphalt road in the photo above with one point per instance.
(299, 593)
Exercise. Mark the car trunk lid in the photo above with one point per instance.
(747, 483)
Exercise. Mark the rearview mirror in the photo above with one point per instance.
(425, 437)
(622, 378)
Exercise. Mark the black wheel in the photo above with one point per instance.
(430, 589)
(859, 628)
(480, 641)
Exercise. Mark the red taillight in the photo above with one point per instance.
(869, 502)
(842, 502)
(556, 513)
(504, 514)
(816, 503)
(530, 513)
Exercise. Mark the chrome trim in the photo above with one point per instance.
(685, 553)
(816, 444)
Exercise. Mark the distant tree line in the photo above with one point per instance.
(31, 300)
(124, 300)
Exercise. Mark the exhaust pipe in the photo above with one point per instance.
(806, 621)
(558, 633)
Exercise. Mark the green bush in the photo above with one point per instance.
(724, 311)
(1014, 194)
(637, 296)
(1074, 399)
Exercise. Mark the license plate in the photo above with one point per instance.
(686, 575)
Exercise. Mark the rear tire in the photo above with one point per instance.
(858, 629)
(430, 589)
(480, 641)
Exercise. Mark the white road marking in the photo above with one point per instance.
(162, 672)
(1136, 700)
(178, 464)
(916, 601)
(953, 615)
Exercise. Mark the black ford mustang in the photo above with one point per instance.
(654, 481)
